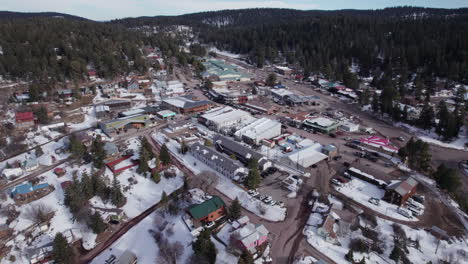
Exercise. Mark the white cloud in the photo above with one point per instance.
(105, 9)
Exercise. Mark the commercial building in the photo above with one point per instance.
(399, 192)
(121, 125)
(283, 70)
(242, 153)
(102, 111)
(229, 97)
(184, 105)
(263, 128)
(170, 88)
(379, 144)
(349, 126)
(221, 163)
(304, 158)
(165, 114)
(149, 110)
(209, 210)
(225, 117)
(220, 70)
(117, 105)
(321, 124)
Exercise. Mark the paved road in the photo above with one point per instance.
(32, 175)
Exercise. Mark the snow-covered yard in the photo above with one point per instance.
(61, 222)
(141, 242)
(448, 251)
(431, 137)
(361, 191)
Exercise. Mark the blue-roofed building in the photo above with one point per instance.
(27, 192)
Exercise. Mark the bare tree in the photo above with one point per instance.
(169, 252)
(261, 208)
(40, 213)
(204, 180)
(159, 222)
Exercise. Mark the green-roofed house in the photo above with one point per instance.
(209, 210)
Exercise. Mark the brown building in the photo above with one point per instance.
(399, 192)
(209, 210)
(184, 105)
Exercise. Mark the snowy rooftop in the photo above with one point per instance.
(322, 121)
(308, 156)
(223, 114)
(258, 127)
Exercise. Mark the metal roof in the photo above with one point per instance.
(207, 207)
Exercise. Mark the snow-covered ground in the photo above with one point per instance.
(140, 241)
(361, 191)
(225, 53)
(45, 159)
(225, 186)
(431, 137)
(90, 119)
(449, 251)
(61, 222)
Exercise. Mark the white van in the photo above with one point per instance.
(404, 212)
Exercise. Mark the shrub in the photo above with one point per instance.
(358, 245)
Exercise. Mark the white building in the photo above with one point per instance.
(262, 128)
(349, 126)
(225, 117)
(12, 173)
(305, 157)
(170, 88)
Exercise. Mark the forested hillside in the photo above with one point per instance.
(39, 48)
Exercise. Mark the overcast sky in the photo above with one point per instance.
(110, 9)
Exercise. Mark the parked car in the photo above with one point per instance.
(401, 138)
(333, 135)
(415, 211)
(207, 196)
(209, 224)
(342, 180)
(272, 203)
(336, 182)
(374, 200)
(281, 203)
(268, 199)
(262, 197)
(337, 157)
(347, 175)
(252, 193)
(419, 198)
(404, 212)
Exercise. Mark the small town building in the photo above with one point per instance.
(59, 171)
(111, 150)
(27, 192)
(219, 70)
(330, 150)
(321, 124)
(209, 210)
(170, 88)
(30, 164)
(283, 70)
(250, 236)
(400, 191)
(242, 153)
(24, 120)
(12, 173)
(165, 114)
(349, 126)
(127, 257)
(117, 105)
(225, 117)
(184, 105)
(123, 125)
(304, 158)
(263, 128)
(223, 164)
(102, 111)
(133, 86)
(148, 110)
(379, 144)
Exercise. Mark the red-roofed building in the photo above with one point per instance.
(59, 171)
(399, 192)
(24, 119)
(92, 75)
(379, 144)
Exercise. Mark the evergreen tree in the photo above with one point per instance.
(87, 188)
(96, 223)
(246, 258)
(156, 176)
(42, 116)
(204, 248)
(271, 80)
(350, 256)
(254, 90)
(143, 166)
(39, 152)
(116, 196)
(253, 179)
(447, 178)
(76, 147)
(426, 118)
(164, 198)
(164, 156)
(61, 251)
(99, 154)
(208, 143)
(364, 97)
(235, 209)
(375, 103)
(183, 147)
